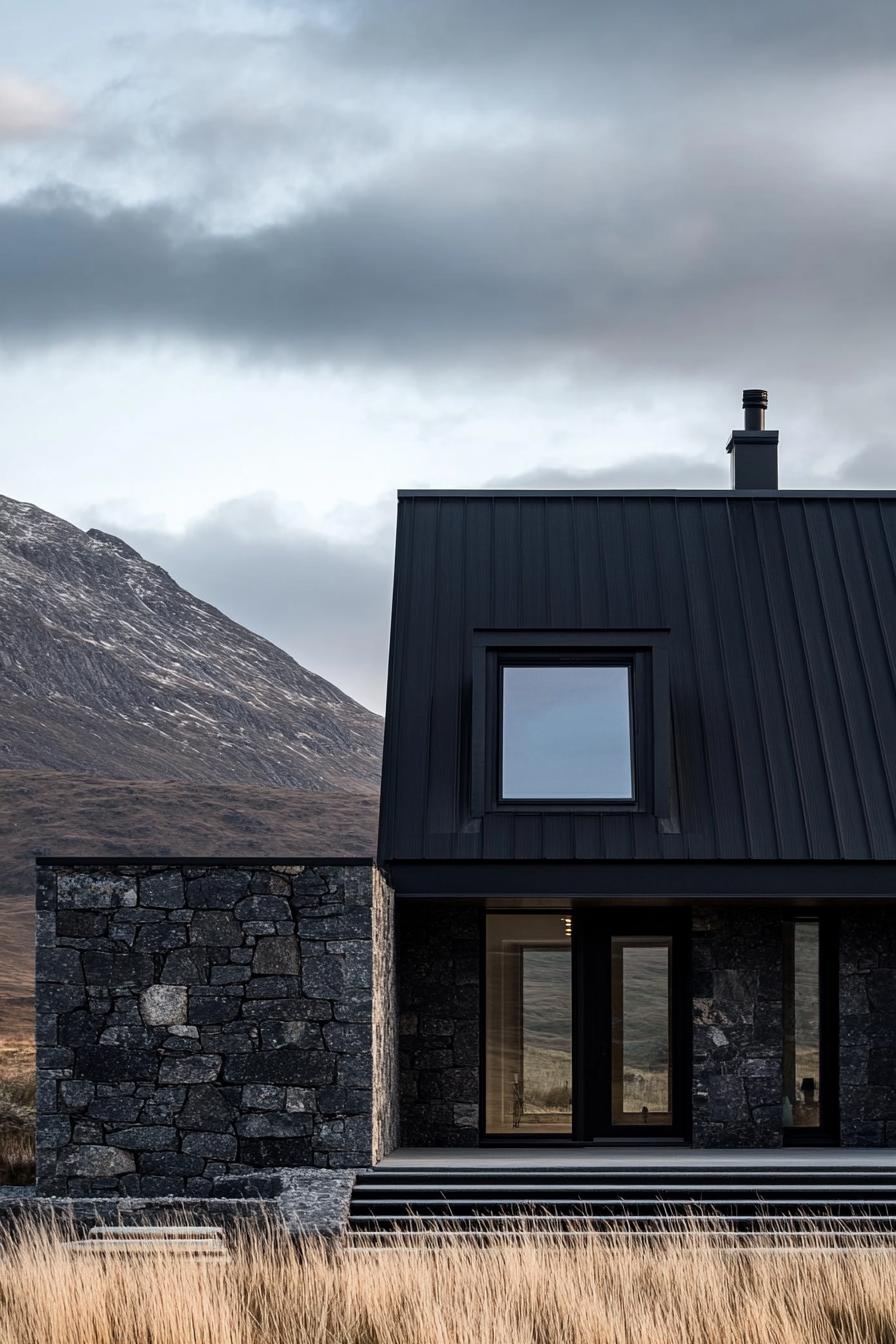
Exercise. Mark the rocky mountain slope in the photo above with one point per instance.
(137, 719)
(108, 667)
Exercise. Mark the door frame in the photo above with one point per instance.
(592, 1001)
(591, 989)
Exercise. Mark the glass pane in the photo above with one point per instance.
(528, 1024)
(802, 1025)
(566, 733)
(642, 1062)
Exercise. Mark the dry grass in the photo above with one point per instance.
(678, 1291)
(16, 1113)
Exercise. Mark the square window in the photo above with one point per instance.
(566, 732)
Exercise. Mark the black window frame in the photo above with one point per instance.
(827, 1132)
(643, 652)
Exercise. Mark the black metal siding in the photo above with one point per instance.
(782, 653)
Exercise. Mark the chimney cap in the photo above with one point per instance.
(755, 396)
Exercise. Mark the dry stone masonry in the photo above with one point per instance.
(199, 1023)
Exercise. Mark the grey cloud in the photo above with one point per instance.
(511, 260)
(324, 601)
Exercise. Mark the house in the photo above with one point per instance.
(635, 878)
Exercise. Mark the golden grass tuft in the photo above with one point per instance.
(17, 1085)
(679, 1290)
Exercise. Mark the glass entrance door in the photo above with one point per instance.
(585, 1027)
(641, 1063)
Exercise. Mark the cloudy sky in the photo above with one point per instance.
(264, 261)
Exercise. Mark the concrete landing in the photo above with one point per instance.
(628, 1156)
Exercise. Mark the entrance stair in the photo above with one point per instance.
(802, 1204)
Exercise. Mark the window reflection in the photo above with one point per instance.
(566, 732)
(642, 1062)
(528, 1025)
(802, 1025)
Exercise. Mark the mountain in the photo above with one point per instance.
(109, 667)
(139, 720)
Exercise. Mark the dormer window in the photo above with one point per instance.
(570, 721)
(566, 732)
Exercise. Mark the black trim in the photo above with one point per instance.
(671, 883)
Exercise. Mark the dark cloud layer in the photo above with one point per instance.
(461, 264)
(662, 196)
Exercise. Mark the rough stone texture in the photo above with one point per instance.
(867, 1030)
(738, 1029)
(310, 1203)
(236, 1019)
(384, 1011)
(438, 986)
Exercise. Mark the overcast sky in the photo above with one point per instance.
(264, 261)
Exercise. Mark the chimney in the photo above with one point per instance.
(754, 449)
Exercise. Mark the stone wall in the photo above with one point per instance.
(738, 1029)
(198, 1022)
(868, 1028)
(438, 986)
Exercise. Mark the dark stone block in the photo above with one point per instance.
(161, 937)
(81, 924)
(220, 1146)
(305, 1035)
(115, 1110)
(170, 1164)
(207, 1007)
(165, 890)
(187, 966)
(215, 928)
(295, 1152)
(159, 1187)
(113, 1064)
(192, 1069)
(207, 1108)
(263, 907)
(323, 977)
(276, 956)
(119, 970)
(303, 1068)
(270, 1125)
(273, 987)
(60, 998)
(148, 1138)
(219, 890)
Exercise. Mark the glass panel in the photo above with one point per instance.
(641, 1007)
(802, 1025)
(528, 1024)
(566, 733)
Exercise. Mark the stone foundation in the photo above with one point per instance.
(196, 1022)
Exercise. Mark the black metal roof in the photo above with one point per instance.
(781, 611)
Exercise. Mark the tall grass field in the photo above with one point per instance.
(680, 1290)
(17, 1083)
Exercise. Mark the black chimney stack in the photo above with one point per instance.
(754, 449)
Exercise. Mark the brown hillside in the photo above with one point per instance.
(57, 813)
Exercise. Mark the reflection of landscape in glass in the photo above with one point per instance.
(644, 1028)
(566, 732)
(802, 1054)
(547, 1032)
